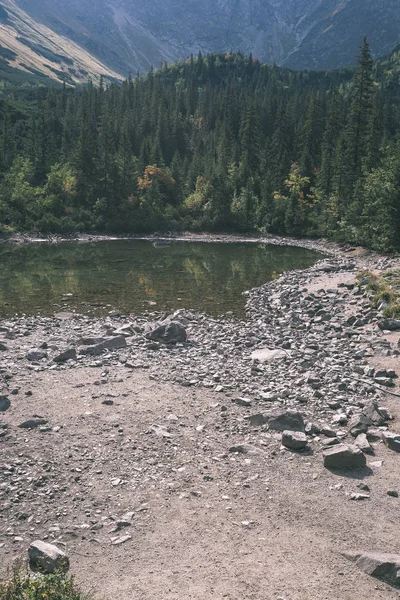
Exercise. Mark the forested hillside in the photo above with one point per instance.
(220, 142)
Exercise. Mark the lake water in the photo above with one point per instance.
(135, 277)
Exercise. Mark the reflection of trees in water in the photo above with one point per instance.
(125, 274)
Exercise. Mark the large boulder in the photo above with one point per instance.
(289, 420)
(47, 558)
(382, 566)
(343, 456)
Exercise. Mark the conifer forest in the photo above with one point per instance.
(213, 143)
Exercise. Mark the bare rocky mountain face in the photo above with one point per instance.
(129, 35)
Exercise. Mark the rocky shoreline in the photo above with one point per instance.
(312, 369)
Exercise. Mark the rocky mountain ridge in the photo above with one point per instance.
(120, 36)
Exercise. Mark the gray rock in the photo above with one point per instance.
(33, 423)
(382, 566)
(294, 440)
(69, 354)
(169, 333)
(357, 496)
(91, 341)
(391, 440)
(289, 420)
(359, 424)
(389, 324)
(4, 403)
(264, 355)
(114, 343)
(35, 355)
(47, 558)
(362, 442)
(257, 420)
(244, 449)
(343, 456)
(246, 402)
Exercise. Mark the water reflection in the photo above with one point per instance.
(133, 275)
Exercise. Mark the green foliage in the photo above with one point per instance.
(22, 585)
(219, 142)
(383, 289)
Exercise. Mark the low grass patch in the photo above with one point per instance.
(20, 584)
(383, 289)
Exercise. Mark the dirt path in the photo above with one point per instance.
(206, 524)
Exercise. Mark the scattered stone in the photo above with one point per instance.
(47, 558)
(344, 457)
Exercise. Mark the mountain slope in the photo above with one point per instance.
(33, 48)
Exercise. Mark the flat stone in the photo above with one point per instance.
(242, 401)
(121, 540)
(114, 343)
(358, 496)
(294, 440)
(289, 420)
(391, 440)
(382, 566)
(343, 456)
(265, 355)
(47, 558)
(244, 449)
(32, 423)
